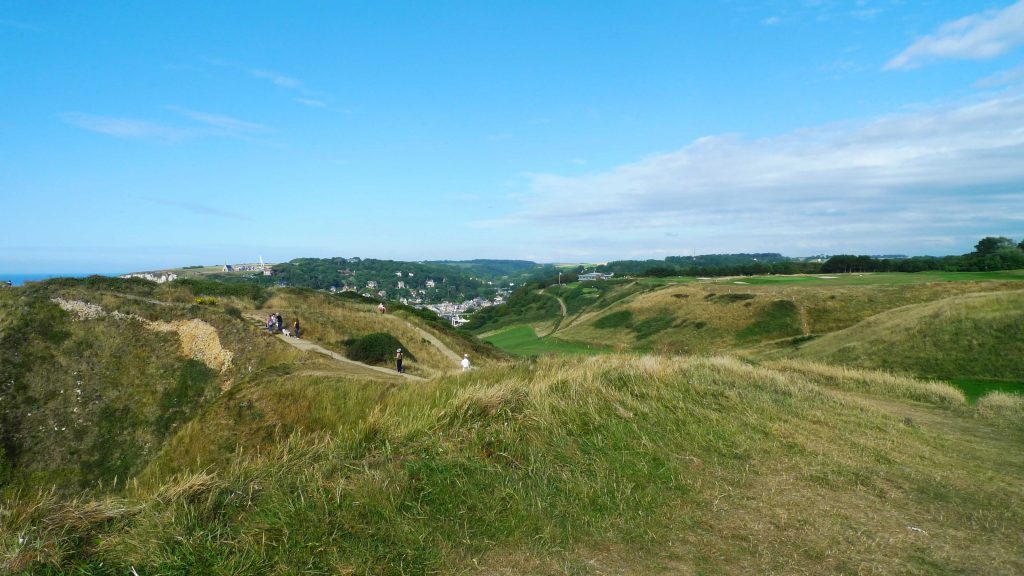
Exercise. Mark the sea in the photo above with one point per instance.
(19, 279)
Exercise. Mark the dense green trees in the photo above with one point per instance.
(990, 253)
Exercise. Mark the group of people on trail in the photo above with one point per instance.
(275, 325)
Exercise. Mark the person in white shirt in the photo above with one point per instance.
(465, 362)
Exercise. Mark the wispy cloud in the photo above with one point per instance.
(308, 97)
(312, 102)
(277, 79)
(1004, 78)
(771, 21)
(221, 121)
(976, 37)
(942, 168)
(128, 128)
(203, 124)
(203, 209)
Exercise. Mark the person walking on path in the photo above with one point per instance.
(465, 362)
(270, 323)
(398, 361)
(280, 322)
(295, 328)
(382, 308)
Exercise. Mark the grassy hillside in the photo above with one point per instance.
(335, 321)
(85, 402)
(202, 445)
(614, 464)
(963, 337)
(724, 316)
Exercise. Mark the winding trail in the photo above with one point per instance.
(558, 322)
(432, 339)
(352, 367)
(348, 367)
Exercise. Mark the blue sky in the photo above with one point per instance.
(148, 135)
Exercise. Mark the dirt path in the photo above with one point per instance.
(348, 367)
(351, 366)
(432, 339)
(558, 322)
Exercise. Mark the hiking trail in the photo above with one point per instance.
(351, 367)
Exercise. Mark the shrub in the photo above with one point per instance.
(614, 320)
(651, 326)
(203, 287)
(376, 348)
(731, 297)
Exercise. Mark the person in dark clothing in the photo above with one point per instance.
(280, 322)
(398, 361)
(295, 328)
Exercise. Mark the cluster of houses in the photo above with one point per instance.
(158, 277)
(453, 312)
(265, 269)
(591, 276)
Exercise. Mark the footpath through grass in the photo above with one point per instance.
(523, 341)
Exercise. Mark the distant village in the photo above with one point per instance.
(415, 296)
(408, 290)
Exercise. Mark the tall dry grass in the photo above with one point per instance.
(618, 463)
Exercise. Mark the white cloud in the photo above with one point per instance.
(1005, 78)
(128, 128)
(919, 173)
(206, 124)
(226, 123)
(771, 21)
(976, 37)
(277, 79)
(312, 102)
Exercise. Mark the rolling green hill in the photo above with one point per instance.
(624, 464)
(969, 336)
(203, 445)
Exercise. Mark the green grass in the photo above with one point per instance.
(623, 464)
(667, 281)
(616, 464)
(879, 278)
(973, 336)
(778, 319)
(523, 341)
(618, 319)
(974, 389)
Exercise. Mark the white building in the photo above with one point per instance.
(158, 277)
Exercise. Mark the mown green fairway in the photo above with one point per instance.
(974, 389)
(523, 341)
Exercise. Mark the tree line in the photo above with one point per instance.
(990, 253)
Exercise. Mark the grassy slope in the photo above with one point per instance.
(719, 316)
(330, 321)
(523, 341)
(633, 465)
(969, 337)
(89, 402)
